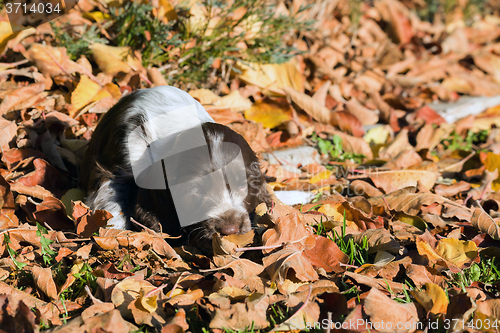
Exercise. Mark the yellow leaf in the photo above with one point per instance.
(6, 34)
(330, 210)
(269, 112)
(167, 11)
(147, 304)
(492, 163)
(377, 135)
(233, 101)
(76, 268)
(205, 96)
(433, 299)
(84, 93)
(114, 90)
(272, 76)
(320, 176)
(450, 252)
(96, 16)
(114, 59)
(439, 299)
(176, 292)
(415, 221)
(457, 251)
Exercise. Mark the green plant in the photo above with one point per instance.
(48, 254)
(76, 44)
(83, 277)
(335, 150)
(12, 253)
(446, 9)
(355, 11)
(226, 27)
(455, 142)
(486, 271)
(135, 26)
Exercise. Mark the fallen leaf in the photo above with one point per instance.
(433, 299)
(484, 223)
(114, 59)
(391, 181)
(309, 105)
(19, 95)
(269, 112)
(388, 315)
(44, 281)
(272, 76)
(326, 254)
(451, 253)
(347, 122)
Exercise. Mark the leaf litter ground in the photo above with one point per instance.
(402, 233)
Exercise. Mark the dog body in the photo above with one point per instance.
(193, 174)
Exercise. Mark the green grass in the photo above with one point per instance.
(486, 271)
(446, 9)
(357, 253)
(76, 44)
(135, 26)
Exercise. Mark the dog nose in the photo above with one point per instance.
(229, 230)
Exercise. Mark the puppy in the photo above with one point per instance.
(158, 157)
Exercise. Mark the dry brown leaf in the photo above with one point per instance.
(19, 95)
(326, 255)
(128, 291)
(389, 314)
(420, 275)
(411, 203)
(483, 222)
(452, 190)
(376, 283)
(8, 219)
(239, 316)
(8, 131)
(309, 105)
(290, 259)
(289, 228)
(44, 281)
(391, 181)
(398, 145)
(89, 223)
(378, 240)
(51, 61)
(347, 122)
(366, 116)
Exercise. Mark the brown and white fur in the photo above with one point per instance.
(107, 172)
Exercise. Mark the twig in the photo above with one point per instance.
(166, 284)
(13, 64)
(144, 77)
(89, 74)
(459, 162)
(268, 247)
(92, 297)
(303, 306)
(56, 62)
